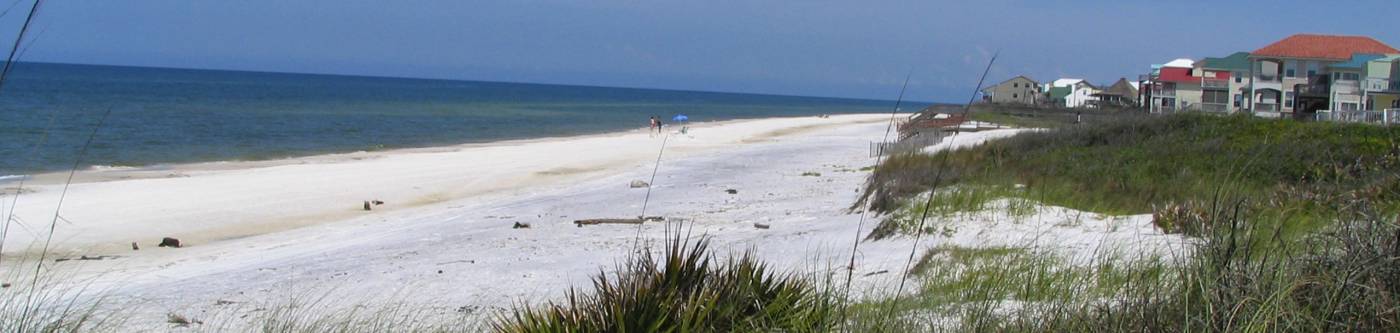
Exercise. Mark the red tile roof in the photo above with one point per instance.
(1323, 47)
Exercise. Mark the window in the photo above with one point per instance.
(1288, 99)
(1348, 106)
(1015, 85)
(1239, 77)
(1348, 76)
(1395, 103)
(1015, 96)
(1239, 100)
(1268, 70)
(1312, 68)
(1290, 68)
(1215, 97)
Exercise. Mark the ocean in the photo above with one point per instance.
(161, 116)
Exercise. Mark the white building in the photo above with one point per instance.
(1073, 93)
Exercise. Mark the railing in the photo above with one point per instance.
(1163, 92)
(1385, 117)
(1215, 107)
(1220, 84)
(913, 144)
(1312, 89)
(1382, 85)
(1267, 107)
(1346, 88)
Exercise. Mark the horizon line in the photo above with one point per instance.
(465, 80)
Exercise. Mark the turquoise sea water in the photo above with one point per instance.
(161, 116)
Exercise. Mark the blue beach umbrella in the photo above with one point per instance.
(680, 118)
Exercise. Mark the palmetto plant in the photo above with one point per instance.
(686, 289)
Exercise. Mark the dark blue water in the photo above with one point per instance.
(160, 116)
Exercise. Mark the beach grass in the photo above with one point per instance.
(50, 302)
(1298, 174)
(1342, 277)
(1294, 228)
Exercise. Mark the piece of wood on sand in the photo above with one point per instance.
(635, 220)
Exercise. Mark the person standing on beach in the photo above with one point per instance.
(655, 127)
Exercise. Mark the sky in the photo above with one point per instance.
(858, 49)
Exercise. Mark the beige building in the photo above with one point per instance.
(1293, 75)
(1017, 90)
(1230, 90)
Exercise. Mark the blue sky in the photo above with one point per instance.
(823, 48)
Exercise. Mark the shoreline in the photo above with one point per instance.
(106, 173)
(202, 203)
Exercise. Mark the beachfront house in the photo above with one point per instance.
(1292, 76)
(1345, 93)
(1235, 87)
(1071, 93)
(1380, 86)
(1172, 87)
(1017, 90)
(1120, 94)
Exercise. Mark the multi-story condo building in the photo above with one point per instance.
(1380, 85)
(1345, 93)
(1017, 90)
(1291, 76)
(1235, 87)
(1178, 85)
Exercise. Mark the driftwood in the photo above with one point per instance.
(86, 257)
(584, 222)
(169, 242)
(883, 271)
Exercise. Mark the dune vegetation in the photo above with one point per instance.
(1294, 224)
(1299, 173)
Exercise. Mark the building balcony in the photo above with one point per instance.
(1215, 84)
(1346, 88)
(1268, 85)
(1381, 85)
(1312, 89)
(1215, 107)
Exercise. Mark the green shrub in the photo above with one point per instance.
(687, 290)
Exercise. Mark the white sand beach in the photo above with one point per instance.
(264, 232)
